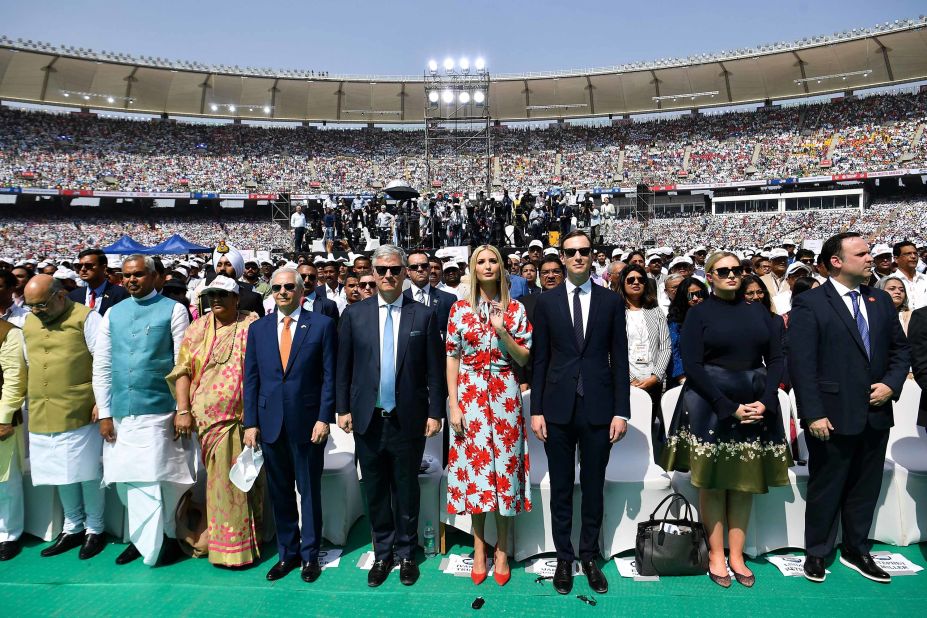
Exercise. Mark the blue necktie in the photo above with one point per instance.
(388, 366)
(861, 322)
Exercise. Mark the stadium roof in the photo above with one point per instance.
(888, 54)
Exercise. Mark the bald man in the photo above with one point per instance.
(64, 444)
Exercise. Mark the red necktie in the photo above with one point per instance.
(93, 299)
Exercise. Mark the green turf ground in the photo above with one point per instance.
(65, 586)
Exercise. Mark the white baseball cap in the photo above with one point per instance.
(788, 241)
(65, 273)
(449, 265)
(796, 266)
(881, 250)
(223, 283)
(682, 259)
(536, 243)
(616, 252)
(777, 253)
(551, 251)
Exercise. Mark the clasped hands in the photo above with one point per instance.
(879, 395)
(750, 413)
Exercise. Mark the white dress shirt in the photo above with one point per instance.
(396, 308)
(422, 295)
(297, 219)
(295, 316)
(844, 292)
(915, 288)
(103, 353)
(15, 315)
(585, 297)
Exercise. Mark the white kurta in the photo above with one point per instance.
(145, 452)
(67, 457)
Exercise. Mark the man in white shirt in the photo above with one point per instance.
(298, 223)
(915, 283)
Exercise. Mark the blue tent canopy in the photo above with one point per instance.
(177, 244)
(127, 246)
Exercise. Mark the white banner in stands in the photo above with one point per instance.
(262, 256)
(815, 244)
(247, 254)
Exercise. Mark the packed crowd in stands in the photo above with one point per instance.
(870, 133)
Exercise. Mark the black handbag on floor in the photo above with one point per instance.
(671, 546)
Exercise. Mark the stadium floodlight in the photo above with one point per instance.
(66, 95)
(464, 65)
(447, 96)
(110, 100)
(448, 64)
(86, 97)
(480, 64)
(479, 97)
(232, 108)
(267, 109)
(433, 96)
(464, 97)
(214, 107)
(433, 66)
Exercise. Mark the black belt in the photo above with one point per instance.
(383, 413)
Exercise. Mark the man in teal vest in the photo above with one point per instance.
(150, 462)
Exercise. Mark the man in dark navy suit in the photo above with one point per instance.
(580, 396)
(99, 294)
(391, 393)
(848, 359)
(289, 400)
(313, 301)
(421, 290)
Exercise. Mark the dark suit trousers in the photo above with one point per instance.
(292, 465)
(298, 234)
(594, 449)
(845, 480)
(389, 463)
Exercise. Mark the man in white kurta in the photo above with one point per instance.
(64, 443)
(12, 395)
(152, 465)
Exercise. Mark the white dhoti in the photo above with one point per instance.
(152, 471)
(71, 460)
(12, 512)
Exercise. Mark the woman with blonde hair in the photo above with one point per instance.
(487, 460)
(727, 429)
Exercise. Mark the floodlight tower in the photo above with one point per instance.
(457, 119)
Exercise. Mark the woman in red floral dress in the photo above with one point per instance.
(487, 461)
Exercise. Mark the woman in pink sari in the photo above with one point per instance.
(208, 384)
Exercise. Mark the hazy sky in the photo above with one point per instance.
(398, 37)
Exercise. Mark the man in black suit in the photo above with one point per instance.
(313, 301)
(99, 294)
(848, 359)
(917, 337)
(391, 392)
(580, 396)
(421, 290)
(551, 275)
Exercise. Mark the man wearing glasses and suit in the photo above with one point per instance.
(100, 294)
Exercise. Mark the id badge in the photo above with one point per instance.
(641, 354)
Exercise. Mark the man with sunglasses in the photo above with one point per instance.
(289, 402)
(312, 301)
(421, 290)
(368, 285)
(99, 294)
(391, 393)
(580, 396)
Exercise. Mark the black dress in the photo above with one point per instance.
(724, 345)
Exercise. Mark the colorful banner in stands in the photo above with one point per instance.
(199, 195)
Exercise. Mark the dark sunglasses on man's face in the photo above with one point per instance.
(367, 285)
(809, 261)
(418, 266)
(393, 270)
(289, 287)
(86, 266)
(724, 272)
(309, 277)
(583, 251)
(700, 294)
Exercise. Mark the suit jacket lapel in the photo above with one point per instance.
(564, 304)
(593, 311)
(407, 316)
(836, 303)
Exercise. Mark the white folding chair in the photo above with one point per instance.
(432, 488)
(342, 505)
(634, 484)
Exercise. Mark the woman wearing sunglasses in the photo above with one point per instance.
(691, 291)
(649, 345)
(727, 429)
(207, 381)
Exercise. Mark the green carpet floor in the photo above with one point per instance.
(65, 586)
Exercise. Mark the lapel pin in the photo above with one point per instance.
(303, 326)
(871, 299)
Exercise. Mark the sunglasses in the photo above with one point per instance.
(583, 251)
(86, 266)
(218, 294)
(808, 261)
(634, 280)
(308, 277)
(369, 285)
(393, 270)
(418, 267)
(289, 287)
(724, 272)
(700, 294)
(39, 306)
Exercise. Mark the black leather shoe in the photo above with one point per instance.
(282, 569)
(170, 552)
(563, 576)
(129, 554)
(595, 576)
(311, 571)
(379, 572)
(63, 543)
(814, 569)
(93, 545)
(865, 566)
(408, 572)
(9, 550)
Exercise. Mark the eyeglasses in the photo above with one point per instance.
(702, 294)
(393, 270)
(583, 251)
(39, 306)
(634, 280)
(418, 267)
(86, 266)
(724, 272)
(217, 294)
(289, 287)
(368, 285)
(309, 277)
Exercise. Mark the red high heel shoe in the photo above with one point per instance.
(499, 577)
(478, 578)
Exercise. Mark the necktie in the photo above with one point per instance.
(93, 299)
(578, 331)
(388, 366)
(861, 322)
(286, 342)
(420, 296)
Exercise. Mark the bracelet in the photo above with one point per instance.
(181, 412)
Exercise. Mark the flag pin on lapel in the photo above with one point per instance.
(304, 326)
(871, 299)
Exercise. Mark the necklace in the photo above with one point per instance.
(231, 345)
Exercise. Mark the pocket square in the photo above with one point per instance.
(415, 333)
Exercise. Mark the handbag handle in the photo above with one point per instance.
(673, 498)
